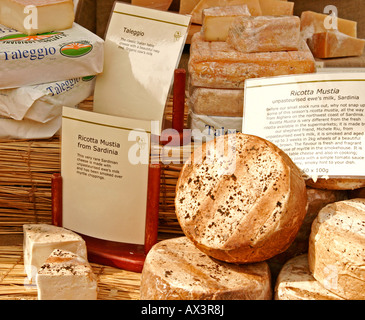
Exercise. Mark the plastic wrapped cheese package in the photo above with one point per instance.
(28, 129)
(48, 57)
(44, 102)
(208, 127)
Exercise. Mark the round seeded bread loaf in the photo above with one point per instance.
(336, 183)
(337, 248)
(243, 205)
(295, 282)
(175, 269)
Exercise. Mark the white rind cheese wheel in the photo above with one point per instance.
(176, 270)
(244, 205)
(295, 282)
(337, 248)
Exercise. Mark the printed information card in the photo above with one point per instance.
(317, 119)
(104, 167)
(143, 47)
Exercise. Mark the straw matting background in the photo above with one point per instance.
(26, 167)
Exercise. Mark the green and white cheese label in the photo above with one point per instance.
(317, 119)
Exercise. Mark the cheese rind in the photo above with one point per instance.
(240, 199)
(334, 44)
(216, 102)
(337, 248)
(66, 276)
(265, 33)
(175, 269)
(197, 13)
(50, 15)
(276, 7)
(217, 65)
(41, 239)
(186, 6)
(217, 20)
(313, 22)
(295, 282)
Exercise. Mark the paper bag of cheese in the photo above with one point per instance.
(48, 57)
(44, 102)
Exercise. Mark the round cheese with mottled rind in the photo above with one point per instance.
(240, 199)
(295, 282)
(175, 269)
(336, 253)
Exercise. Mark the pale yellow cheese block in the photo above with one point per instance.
(295, 282)
(276, 7)
(197, 12)
(217, 65)
(313, 22)
(334, 44)
(45, 16)
(265, 33)
(217, 21)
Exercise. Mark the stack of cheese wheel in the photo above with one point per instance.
(233, 46)
(240, 200)
(333, 268)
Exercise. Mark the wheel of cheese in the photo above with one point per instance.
(337, 248)
(336, 183)
(175, 269)
(295, 282)
(317, 199)
(244, 204)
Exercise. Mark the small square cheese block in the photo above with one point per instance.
(295, 282)
(66, 276)
(176, 270)
(276, 7)
(217, 20)
(334, 44)
(216, 102)
(197, 13)
(217, 65)
(39, 16)
(265, 33)
(41, 239)
(313, 22)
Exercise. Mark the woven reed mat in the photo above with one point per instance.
(113, 283)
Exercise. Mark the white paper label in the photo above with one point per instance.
(104, 167)
(142, 49)
(317, 119)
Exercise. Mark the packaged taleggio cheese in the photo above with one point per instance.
(44, 102)
(48, 57)
(28, 129)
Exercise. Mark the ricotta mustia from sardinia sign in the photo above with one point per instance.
(317, 119)
(104, 167)
(48, 57)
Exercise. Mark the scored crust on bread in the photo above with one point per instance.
(337, 248)
(243, 205)
(175, 269)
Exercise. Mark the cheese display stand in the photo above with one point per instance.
(251, 225)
